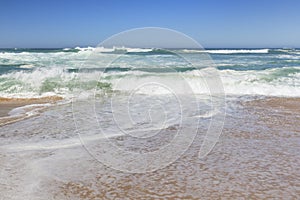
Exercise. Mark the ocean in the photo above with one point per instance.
(42, 72)
(133, 123)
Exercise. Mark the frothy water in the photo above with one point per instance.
(44, 72)
(61, 153)
(43, 157)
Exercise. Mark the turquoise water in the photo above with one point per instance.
(40, 72)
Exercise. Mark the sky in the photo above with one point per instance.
(213, 23)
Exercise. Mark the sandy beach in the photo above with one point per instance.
(281, 104)
(257, 160)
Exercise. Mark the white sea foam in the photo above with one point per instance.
(266, 82)
(235, 51)
(227, 51)
(122, 49)
(84, 48)
(260, 83)
(292, 57)
(63, 73)
(29, 66)
(29, 110)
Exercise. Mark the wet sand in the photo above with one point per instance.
(257, 157)
(279, 104)
(249, 162)
(8, 104)
(6, 107)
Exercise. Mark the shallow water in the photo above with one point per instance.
(43, 157)
(151, 125)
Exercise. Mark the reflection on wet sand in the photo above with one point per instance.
(257, 157)
(8, 104)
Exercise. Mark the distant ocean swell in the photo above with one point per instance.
(153, 50)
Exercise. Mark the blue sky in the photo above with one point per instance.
(213, 23)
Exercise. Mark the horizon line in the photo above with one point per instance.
(2, 48)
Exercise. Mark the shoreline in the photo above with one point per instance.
(8, 104)
(290, 104)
